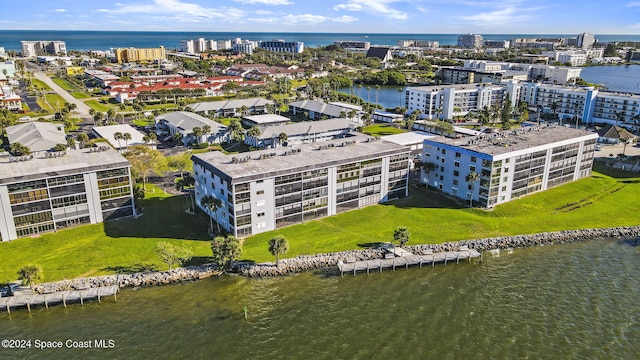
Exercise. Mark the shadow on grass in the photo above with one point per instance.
(370, 245)
(198, 260)
(130, 269)
(598, 166)
(420, 197)
(164, 218)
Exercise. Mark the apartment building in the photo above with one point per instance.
(38, 48)
(125, 55)
(443, 102)
(51, 191)
(509, 164)
(470, 41)
(295, 47)
(588, 104)
(270, 189)
(353, 46)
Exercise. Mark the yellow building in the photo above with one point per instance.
(124, 55)
(75, 70)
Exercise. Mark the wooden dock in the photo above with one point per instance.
(392, 261)
(58, 297)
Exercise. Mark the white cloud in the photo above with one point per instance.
(345, 19)
(177, 10)
(59, 10)
(497, 18)
(309, 19)
(375, 7)
(265, 2)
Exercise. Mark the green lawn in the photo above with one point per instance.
(98, 106)
(601, 201)
(40, 84)
(382, 129)
(64, 84)
(127, 244)
(80, 95)
(124, 245)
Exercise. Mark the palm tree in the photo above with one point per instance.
(278, 245)
(368, 94)
(377, 87)
(282, 138)
(82, 138)
(118, 136)
(352, 113)
(197, 134)
(254, 132)
(625, 141)
(234, 129)
(212, 205)
(30, 274)
(471, 178)
(126, 137)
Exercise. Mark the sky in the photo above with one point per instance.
(368, 16)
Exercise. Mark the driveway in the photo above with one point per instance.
(82, 109)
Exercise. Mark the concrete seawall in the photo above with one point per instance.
(330, 260)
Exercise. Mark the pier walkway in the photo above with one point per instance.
(64, 297)
(406, 259)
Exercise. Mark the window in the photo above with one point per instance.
(260, 214)
(442, 160)
(457, 154)
(456, 173)
(474, 159)
(444, 151)
(455, 181)
(472, 168)
(456, 163)
(260, 192)
(261, 225)
(504, 188)
(505, 179)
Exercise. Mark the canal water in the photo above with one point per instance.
(577, 301)
(623, 78)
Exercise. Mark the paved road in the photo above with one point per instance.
(82, 109)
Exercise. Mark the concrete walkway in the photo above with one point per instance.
(82, 109)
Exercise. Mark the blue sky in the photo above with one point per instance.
(372, 16)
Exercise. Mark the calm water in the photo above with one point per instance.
(625, 78)
(103, 40)
(387, 96)
(578, 301)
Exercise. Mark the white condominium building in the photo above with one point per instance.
(269, 189)
(509, 164)
(444, 102)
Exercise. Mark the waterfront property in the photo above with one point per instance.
(264, 120)
(36, 48)
(54, 190)
(566, 102)
(316, 109)
(125, 55)
(268, 189)
(509, 164)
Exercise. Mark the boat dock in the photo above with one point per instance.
(57, 297)
(398, 257)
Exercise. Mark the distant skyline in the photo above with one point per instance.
(357, 16)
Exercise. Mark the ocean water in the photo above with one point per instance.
(103, 40)
(575, 301)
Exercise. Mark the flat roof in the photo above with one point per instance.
(310, 156)
(108, 133)
(503, 142)
(266, 119)
(36, 135)
(40, 166)
(408, 138)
